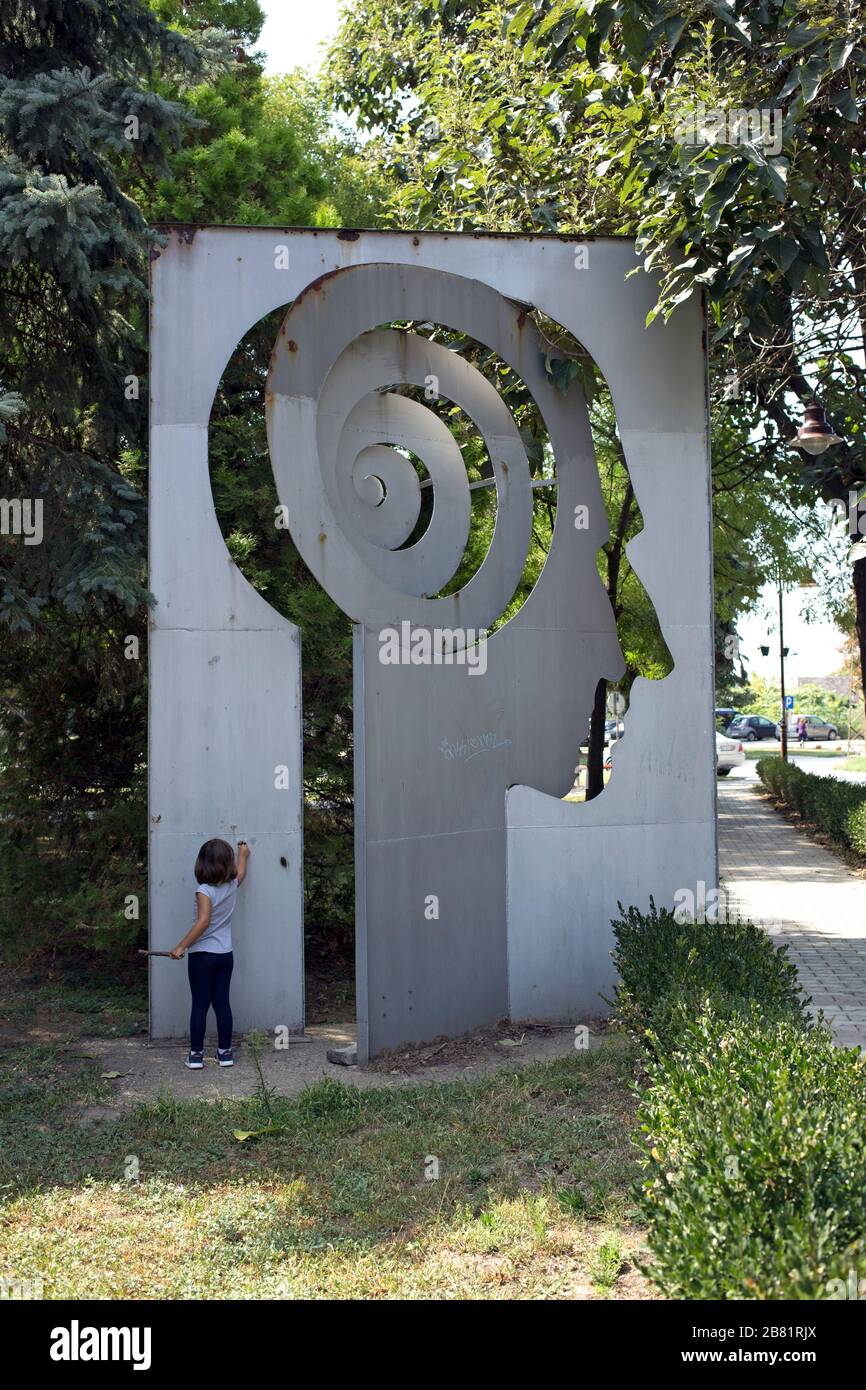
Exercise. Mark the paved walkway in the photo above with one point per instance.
(805, 897)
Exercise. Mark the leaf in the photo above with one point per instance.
(511, 1042)
(810, 75)
(682, 296)
(815, 241)
(799, 38)
(717, 200)
(776, 176)
(723, 11)
(744, 249)
(520, 21)
(634, 35)
(784, 251)
(846, 105)
(739, 268)
(674, 30)
(795, 273)
(593, 48)
(839, 53)
(243, 1134)
(562, 372)
(113, 1075)
(791, 81)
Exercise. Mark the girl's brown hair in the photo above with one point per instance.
(215, 863)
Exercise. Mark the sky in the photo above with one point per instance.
(813, 649)
(294, 31)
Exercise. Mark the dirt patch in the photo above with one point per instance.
(512, 1039)
(329, 990)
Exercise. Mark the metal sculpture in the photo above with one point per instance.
(479, 891)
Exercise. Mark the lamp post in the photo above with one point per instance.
(814, 435)
(783, 652)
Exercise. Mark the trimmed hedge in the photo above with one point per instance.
(838, 808)
(752, 1123)
(667, 969)
(755, 1149)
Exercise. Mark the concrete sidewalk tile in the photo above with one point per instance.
(805, 899)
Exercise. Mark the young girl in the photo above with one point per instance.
(209, 946)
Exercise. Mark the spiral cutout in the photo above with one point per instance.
(335, 429)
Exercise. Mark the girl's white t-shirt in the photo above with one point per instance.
(218, 937)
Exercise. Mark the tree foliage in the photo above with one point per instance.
(660, 121)
(73, 255)
(113, 114)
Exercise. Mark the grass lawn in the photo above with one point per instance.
(532, 1198)
(76, 1008)
(853, 765)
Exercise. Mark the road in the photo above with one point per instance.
(821, 766)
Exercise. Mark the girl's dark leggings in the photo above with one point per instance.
(210, 974)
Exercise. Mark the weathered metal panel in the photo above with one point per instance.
(224, 672)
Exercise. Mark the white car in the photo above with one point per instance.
(729, 753)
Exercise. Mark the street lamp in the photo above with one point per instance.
(783, 652)
(814, 435)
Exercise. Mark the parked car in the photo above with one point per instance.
(729, 754)
(613, 730)
(815, 728)
(724, 717)
(750, 727)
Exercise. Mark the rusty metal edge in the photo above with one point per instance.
(189, 229)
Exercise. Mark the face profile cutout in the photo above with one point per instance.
(433, 795)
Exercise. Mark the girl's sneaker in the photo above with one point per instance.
(195, 1061)
(225, 1059)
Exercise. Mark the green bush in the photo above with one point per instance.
(857, 828)
(752, 1124)
(65, 890)
(836, 807)
(754, 1138)
(668, 968)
